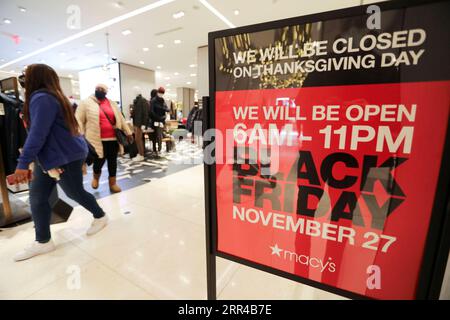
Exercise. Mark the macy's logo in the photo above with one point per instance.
(304, 259)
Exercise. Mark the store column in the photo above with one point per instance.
(186, 97)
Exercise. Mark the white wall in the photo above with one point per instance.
(134, 80)
(202, 72)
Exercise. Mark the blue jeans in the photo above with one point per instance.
(71, 181)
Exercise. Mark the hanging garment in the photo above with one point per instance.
(12, 131)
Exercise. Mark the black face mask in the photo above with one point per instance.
(21, 80)
(100, 94)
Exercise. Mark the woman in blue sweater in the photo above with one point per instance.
(58, 151)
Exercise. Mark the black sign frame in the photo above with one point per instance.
(437, 245)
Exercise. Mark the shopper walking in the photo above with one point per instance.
(58, 150)
(158, 110)
(98, 117)
(140, 121)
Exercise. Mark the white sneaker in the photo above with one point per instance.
(138, 158)
(34, 249)
(97, 225)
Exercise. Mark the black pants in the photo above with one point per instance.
(71, 181)
(110, 151)
(157, 138)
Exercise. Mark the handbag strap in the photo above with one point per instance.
(106, 115)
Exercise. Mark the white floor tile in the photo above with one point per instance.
(95, 282)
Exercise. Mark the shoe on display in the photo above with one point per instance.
(34, 249)
(138, 158)
(97, 225)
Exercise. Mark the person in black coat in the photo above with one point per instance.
(158, 110)
(140, 121)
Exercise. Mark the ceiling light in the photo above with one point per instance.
(12, 71)
(19, 52)
(70, 76)
(145, 49)
(62, 54)
(126, 32)
(192, 65)
(193, 74)
(177, 41)
(168, 85)
(176, 73)
(178, 15)
(89, 44)
(2, 60)
(236, 12)
(141, 62)
(62, 66)
(217, 13)
(118, 4)
(188, 82)
(106, 55)
(92, 29)
(7, 21)
(158, 67)
(22, 9)
(160, 45)
(167, 78)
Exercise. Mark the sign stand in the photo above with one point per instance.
(208, 174)
(437, 243)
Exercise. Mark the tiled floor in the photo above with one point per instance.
(153, 248)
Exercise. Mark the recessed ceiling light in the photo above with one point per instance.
(193, 74)
(106, 55)
(167, 78)
(141, 62)
(2, 60)
(188, 82)
(160, 45)
(62, 66)
(62, 53)
(145, 49)
(126, 32)
(192, 65)
(158, 67)
(118, 4)
(22, 9)
(177, 41)
(12, 71)
(168, 85)
(176, 73)
(178, 15)
(236, 12)
(7, 21)
(70, 76)
(89, 44)
(19, 52)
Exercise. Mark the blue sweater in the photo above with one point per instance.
(49, 141)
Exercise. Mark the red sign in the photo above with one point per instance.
(331, 175)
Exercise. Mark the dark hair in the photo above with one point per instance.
(153, 93)
(43, 77)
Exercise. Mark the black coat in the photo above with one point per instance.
(140, 111)
(158, 110)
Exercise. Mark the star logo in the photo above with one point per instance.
(276, 250)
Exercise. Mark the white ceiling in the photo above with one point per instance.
(45, 22)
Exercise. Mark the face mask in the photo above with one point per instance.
(21, 80)
(100, 94)
(160, 95)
